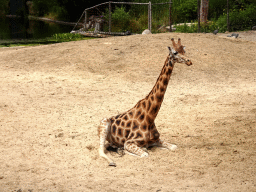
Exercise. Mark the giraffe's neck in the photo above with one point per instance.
(152, 103)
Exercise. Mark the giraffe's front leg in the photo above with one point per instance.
(166, 145)
(133, 149)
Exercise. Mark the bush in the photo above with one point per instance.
(239, 19)
(185, 11)
(186, 28)
(120, 19)
(4, 7)
(67, 37)
(208, 27)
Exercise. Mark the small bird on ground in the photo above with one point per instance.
(235, 35)
(215, 31)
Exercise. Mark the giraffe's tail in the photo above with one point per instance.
(103, 131)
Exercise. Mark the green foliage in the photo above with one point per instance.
(120, 19)
(193, 28)
(216, 8)
(56, 38)
(4, 7)
(186, 28)
(50, 9)
(186, 10)
(67, 37)
(239, 19)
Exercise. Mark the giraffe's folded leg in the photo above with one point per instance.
(133, 149)
(165, 145)
(103, 130)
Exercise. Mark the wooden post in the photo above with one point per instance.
(228, 25)
(198, 15)
(109, 24)
(170, 16)
(149, 16)
(85, 20)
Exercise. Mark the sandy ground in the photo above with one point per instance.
(53, 97)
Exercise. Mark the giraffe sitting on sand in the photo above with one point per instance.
(135, 129)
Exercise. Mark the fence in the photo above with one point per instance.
(224, 15)
(223, 19)
(110, 3)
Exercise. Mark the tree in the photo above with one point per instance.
(204, 10)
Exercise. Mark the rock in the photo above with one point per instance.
(146, 32)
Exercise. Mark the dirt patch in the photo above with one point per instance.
(53, 97)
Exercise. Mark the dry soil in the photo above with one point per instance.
(53, 97)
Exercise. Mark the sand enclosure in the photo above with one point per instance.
(53, 97)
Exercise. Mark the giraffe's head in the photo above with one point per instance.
(176, 58)
(178, 47)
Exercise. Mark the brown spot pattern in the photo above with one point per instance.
(159, 98)
(131, 114)
(149, 119)
(165, 81)
(127, 132)
(144, 104)
(149, 105)
(138, 113)
(114, 129)
(120, 132)
(138, 135)
(131, 136)
(118, 122)
(144, 127)
(129, 124)
(135, 126)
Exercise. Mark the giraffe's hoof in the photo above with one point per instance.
(112, 164)
(173, 147)
(145, 154)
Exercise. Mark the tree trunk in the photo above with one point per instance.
(204, 10)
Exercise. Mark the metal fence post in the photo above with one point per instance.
(85, 20)
(149, 16)
(109, 23)
(228, 26)
(170, 16)
(198, 15)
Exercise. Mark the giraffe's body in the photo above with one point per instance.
(135, 128)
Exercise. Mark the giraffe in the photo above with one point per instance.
(178, 47)
(135, 128)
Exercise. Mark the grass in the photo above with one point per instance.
(56, 38)
(208, 27)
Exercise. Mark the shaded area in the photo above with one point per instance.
(24, 42)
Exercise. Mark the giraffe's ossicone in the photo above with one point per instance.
(135, 129)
